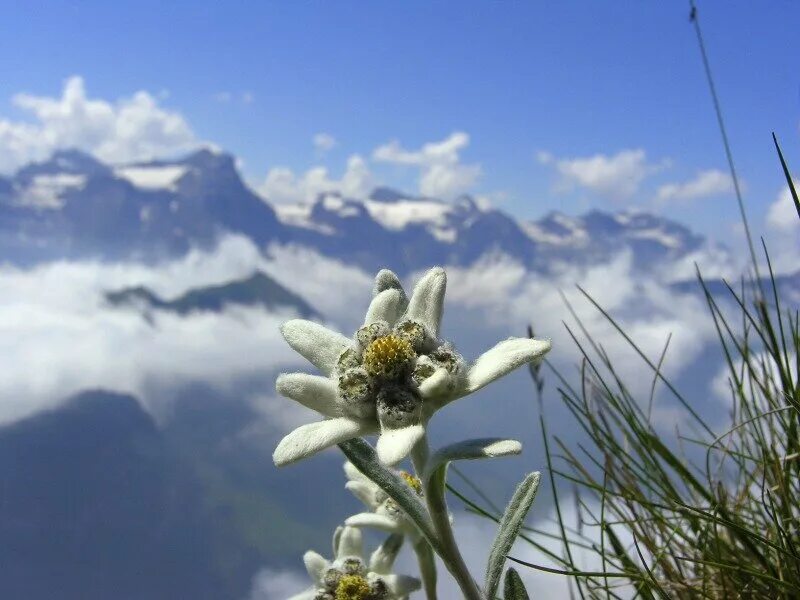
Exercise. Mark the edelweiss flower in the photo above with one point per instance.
(385, 514)
(392, 376)
(350, 577)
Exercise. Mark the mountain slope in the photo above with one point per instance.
(98, 502)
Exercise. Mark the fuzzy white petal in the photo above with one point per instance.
(363, 491)
(351, 543)
(502, 359)
(353, 474)
(316, 565)
(384, 280)
(313, 437)
(384, 555)
(435, 386)
(337, 534)
(469, 450)
(427, 301)
(317, 344)
(386, 306)
(401, 585)
(315, 392)
(395, 444)
(375, 521)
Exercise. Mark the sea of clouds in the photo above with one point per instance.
(60, 337)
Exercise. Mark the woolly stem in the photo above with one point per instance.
(440, 517)
(427, 567)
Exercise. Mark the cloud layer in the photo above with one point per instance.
(61, 338)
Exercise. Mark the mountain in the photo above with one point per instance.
(98, 502)
(74, 206)
(257, 290)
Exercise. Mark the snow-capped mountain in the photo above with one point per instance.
(73, 205)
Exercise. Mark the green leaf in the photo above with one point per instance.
(787, 175)
(510, 525)
(364, 458)
(470, 450)
(514, 589)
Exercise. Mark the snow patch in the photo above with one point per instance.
(45, 191)
(338, 206)
(399, 215)
(298, 215)
(576, 235)
(656, 235)
(162, 177)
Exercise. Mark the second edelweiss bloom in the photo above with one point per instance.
(385, 514)
(350, 577)
(392, 376)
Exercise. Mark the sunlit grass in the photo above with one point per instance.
(707, 514)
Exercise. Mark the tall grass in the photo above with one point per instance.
(708, 514)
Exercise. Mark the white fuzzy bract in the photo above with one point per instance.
(392, 376)
(349, 568)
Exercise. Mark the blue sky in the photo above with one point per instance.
(538, 88)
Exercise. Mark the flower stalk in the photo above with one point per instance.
(440, 517)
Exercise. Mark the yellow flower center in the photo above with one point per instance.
(388, 356)
(413, 482)
(352, 587)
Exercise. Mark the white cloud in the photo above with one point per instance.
(277, 584)
(324, 142)
(131, 128)
(442, 175)
(282, 185)
(782, 215)
(784, 224)
(705, 184)
(617, 176)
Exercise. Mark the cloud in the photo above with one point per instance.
(705, 184)
(282, 185)
(617, 177)
(68, 340)
(784, 224)
(277, 584)
(131, 128)
(504, 292)
(782, 214)
(324, 142)
(442, 175)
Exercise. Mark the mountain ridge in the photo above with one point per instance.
(73, 205)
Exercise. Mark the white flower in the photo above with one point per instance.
(350, 577)
(392, 376)
(384, 514)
